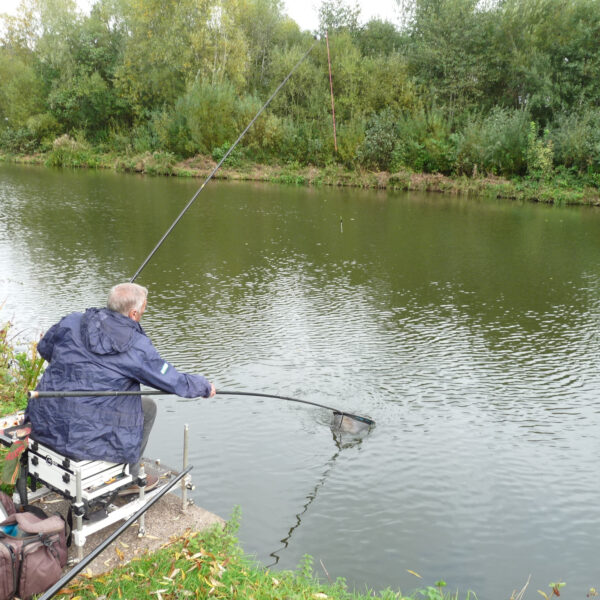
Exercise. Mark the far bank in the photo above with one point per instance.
(560, 188)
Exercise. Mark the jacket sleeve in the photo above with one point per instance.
(149, 368)
(45, 346)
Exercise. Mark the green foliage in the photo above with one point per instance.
(452, 92)
(338, 15)
(19, 372)
(18, 141)
(379, 38)
(264, 26)
(540, 153)
(43, 128)
(211, 564)
(496, 143)
(69, 152)
(212, 115)
(21, 90)
(576, 139)
(425, 142)
(377, 149)
(350, 138)
(448, 49)
(235, 157)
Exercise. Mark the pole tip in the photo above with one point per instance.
(32, 394)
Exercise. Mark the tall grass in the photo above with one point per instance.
(20, 370)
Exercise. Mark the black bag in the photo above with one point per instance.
(33, 551)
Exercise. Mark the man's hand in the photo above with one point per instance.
(213, 391)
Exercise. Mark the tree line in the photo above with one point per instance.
(507, 87)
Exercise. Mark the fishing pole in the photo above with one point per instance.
(51, 592)
(187, 206)
(340, 414)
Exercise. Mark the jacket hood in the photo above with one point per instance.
(104, 331)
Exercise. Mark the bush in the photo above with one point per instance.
(18, 141)
(496, 143)
(576, 139)
(206, 116)
(350, 138)
(264, 139)
(233, 160)
(306, 142)
(67, 152)
(19, 372)
(377, 149)
(425, 142)
(43, 128)
(159, 163)
(540, 153)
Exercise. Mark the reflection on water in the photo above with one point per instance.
(467, 329)
(342, 441)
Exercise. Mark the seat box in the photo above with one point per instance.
(60, 472)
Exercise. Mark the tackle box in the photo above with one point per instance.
(60, 473)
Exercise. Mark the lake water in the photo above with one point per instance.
(467, 328)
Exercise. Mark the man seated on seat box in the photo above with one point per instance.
(105, 349)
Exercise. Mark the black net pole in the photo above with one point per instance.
(111, 538)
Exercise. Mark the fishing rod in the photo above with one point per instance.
(51, 592)
(339, 414)
(187, 206)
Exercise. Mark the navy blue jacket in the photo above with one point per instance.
(101, 350)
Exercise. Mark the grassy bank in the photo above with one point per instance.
(556, 188)
(212, 565)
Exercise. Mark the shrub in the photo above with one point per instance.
(159, 163)
(377, 149)
(576, 139)
(68, 152)
(43, 127)
(19, 372)
(306, 142)
(206, 116)
(425, 142)
(540, 153)
(496, 143)
(233, 160)
(350, 138)
(18, 141)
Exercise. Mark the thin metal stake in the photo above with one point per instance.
(184, 501)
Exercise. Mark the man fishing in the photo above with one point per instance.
(105, 349)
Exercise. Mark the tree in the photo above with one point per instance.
(261, 22)
(449, 51)
(379, 37)
(337, 15)
(172, 43)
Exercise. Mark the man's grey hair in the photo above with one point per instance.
(124, 297)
